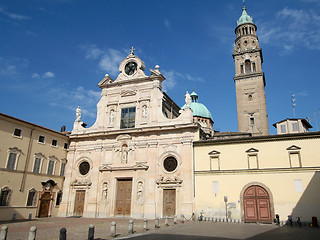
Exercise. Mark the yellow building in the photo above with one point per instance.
(32, 165)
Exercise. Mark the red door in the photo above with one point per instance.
(256, 205)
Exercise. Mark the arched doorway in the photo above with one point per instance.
(256, 205)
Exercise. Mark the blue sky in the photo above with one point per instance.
(53, 53)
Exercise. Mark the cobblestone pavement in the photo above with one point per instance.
(77, 228)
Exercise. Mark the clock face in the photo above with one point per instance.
(130, 68)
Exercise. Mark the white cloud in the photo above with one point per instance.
(48, 75)
(111, 60)
(292, 27)
(35, 75)
(13, 16)
(92, 52)
(172, 77)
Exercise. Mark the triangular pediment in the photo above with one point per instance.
(294, 147)
(126, 93)
(214, 152)
(104, 82)
(252, 150)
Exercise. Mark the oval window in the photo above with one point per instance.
(170, 164)
(84, 168)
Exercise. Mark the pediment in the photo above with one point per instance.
(252, 150)
(293, 147)
(104, 82)
(214, 152)
(123, 137)
(167, 180)
(81, 182)
(127, 93)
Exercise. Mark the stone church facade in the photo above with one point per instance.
(136, 160)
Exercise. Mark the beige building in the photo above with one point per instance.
(32, 165)
(136, 160)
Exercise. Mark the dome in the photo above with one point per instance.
(245, 18)
(199, 110)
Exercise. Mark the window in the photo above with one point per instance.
(247, 66)
(17, 132)
(252, 161)
(84, 168)
(295, 126)
(128, 116)
(214, 163)
(11, 164)
(294, 159)
(59, 198)
(54, 142)
(283, 128)
(41, 139)
(32, 197)
(170, 164)
(62, 168)
(5, 196)
(66, 145)
(50, 167)
(253, 67)
(251, 121)
(37, 165)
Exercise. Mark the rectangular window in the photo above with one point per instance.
(4, 198)
(283, 128)
(128, 116)
(251, 121)
(65, 146)
(253, 161)
(41, 139)
(62, 169)
(12, 161)
(36, 165)
(295, 126)
(298, 185)
(31, 198)
(17, 132)
(54, 142)
(215, 187)
(214, 163)
(50, 167)
(295, 159)
(59, 198)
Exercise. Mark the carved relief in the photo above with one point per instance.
(105, 191)
(140, 192)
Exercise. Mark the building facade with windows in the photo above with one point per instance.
(136, 160)
(32, 166)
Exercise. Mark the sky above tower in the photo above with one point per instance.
(53, 53)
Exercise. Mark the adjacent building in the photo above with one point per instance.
(32, 165)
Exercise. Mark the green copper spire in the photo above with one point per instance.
(245, 18)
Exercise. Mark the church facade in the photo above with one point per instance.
(136, 160)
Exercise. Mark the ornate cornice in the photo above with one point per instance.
(167, 182)
(137, 166)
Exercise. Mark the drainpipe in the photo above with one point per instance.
(23, 181)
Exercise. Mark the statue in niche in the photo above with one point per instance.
(111, 117)
(78, 114)
(187, 98)
(140, 192)
(105, 190)
(144, 112)
(124, 153)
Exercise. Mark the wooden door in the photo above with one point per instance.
(123, 200)
(79, 203)
(256, 205)
(45, 204)
(169, 202)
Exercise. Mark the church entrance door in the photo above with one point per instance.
(123, 198)
(256, 205)
(79, 203)
(169, 202)
(44, 204)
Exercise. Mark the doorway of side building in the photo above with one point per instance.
(45, 204)
(169, 202)
(256, 203)
(79, 203)
(123, 197)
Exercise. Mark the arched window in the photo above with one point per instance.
(32, 197)
(5, 196)
(247, 66)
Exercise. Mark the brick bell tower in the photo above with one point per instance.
(249, 78)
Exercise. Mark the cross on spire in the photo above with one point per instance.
(131, 50)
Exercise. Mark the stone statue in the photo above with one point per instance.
(105, 190)
(140, 192)
(111, 117)
(124, 154)
(187, 98)
(78, 114)
(144, 112)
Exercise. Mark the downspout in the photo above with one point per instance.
(23, 181)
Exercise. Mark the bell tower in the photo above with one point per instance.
(249, 78)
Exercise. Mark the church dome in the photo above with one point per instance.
(245, 18)
(199, 110)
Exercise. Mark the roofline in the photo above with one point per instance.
(302, 120)
(32, 124)
(266, 138)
